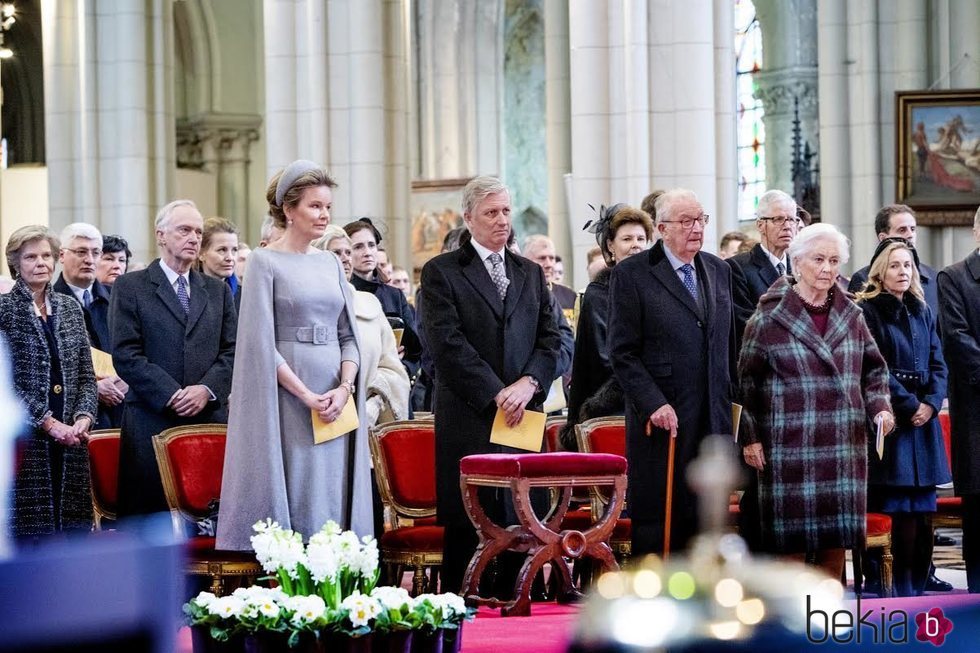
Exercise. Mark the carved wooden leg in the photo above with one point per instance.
(418, 580)
(886, 571)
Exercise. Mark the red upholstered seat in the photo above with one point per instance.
(538, 465)
(878, 524)
(407, 452)
(608, 438)
(413, 538)
(950, 506)
(191, 460)
(577, 520)
(404, 455)
(551, 429)
(197, 461)
(623, 529)
(103, 463)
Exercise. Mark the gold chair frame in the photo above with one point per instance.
(99, 510)
(397, 515)
(622, 549)
(217, 569)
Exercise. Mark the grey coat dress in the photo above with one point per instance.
(295, 308)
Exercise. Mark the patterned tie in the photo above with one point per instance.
(182, 297)
(87, 298)
(692, 287)
(780, 269)
(497, 275)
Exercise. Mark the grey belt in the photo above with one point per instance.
(319, 334)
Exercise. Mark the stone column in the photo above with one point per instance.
(835, 161)
(650, 105)
(789, 72)
(335, 95)
(109, 115)
(561, 221)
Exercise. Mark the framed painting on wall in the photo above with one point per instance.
(436, 211)
(938, 154)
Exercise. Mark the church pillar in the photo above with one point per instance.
(789, 73)
(648, 105)
(562, 219)
(335, 95)
(109, 115)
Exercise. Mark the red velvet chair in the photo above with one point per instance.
(607, 435)
(551, 429)
(191, 460)
(103, 465)
(949, 509)
(879, 536)
(404, 455)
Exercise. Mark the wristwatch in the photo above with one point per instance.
(349, 385)
(534, 381)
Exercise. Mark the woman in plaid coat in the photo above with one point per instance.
(811, 379)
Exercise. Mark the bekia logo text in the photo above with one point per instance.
(874, 626)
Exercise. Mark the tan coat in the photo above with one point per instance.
(386, 382)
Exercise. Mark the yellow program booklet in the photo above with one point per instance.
(527, 435)
(345, 423)
(102, 364)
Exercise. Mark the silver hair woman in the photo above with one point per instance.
(811, 378)
(55, 383)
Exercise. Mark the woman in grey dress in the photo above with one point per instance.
(296, 352)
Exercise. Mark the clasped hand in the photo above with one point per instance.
(514, 398)
(327, 405)
(189, 401)
(70, 435)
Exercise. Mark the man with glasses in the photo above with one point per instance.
(81, 248)
(898, 221)
(754, 271)
(671, 345)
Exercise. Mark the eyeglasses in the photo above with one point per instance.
(81, 252)
(780, 220)
(687, 222)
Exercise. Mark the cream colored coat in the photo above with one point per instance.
(386, 382)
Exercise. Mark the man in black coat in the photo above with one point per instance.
(81, 247)
(671, 344)
(492, 332)
(173, 340)
(959, 318)
(752, 274)
(898, 221)
(754, 271)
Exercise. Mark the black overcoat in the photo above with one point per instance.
(752, 275)
(959, 317)
(665, 350)
(479, 345)
(158, 349)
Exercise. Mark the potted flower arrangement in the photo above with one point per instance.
(326, 598)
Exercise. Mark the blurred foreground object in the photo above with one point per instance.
(715, 598)
(110, 593)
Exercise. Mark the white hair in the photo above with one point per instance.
(808, 237)
(167, 212)
(664, 206)
(80, 230)
(535, 241)
(771, 199)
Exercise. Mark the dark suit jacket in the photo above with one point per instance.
(926, 274)
(158, 349)
(566, 296)
(665, 350)
(752, 274)
(479, 345)
(959, 317)
(97, 324)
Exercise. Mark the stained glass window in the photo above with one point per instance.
(750, 130)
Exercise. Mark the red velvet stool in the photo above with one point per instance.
(541, 540)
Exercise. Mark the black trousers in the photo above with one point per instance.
(971, 541)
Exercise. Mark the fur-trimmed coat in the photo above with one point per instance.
(809, 400)
(31, 363)
(386, 381)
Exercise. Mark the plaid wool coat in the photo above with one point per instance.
(809, 400)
